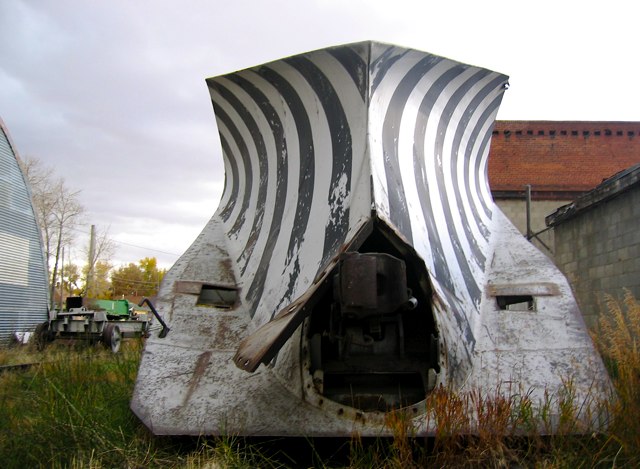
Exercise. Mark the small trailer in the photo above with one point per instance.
(106, 321)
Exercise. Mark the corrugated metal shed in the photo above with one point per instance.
(23, 274)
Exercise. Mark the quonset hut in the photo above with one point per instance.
(357, 259)
(23, 272)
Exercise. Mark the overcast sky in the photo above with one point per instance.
(112, 93)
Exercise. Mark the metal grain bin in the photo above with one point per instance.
(23, 273)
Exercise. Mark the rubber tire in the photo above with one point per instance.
(111, 337)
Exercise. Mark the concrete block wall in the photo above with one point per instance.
(599, 252)
(516, 211)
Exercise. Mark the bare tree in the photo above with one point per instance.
(100, 286)
(98, 257)
(41, 181)
(66, 214)
(58, 211)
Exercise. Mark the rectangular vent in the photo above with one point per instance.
(516, 303)
(217, 296)
(520, 296)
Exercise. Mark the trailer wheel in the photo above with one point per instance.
(111, 337)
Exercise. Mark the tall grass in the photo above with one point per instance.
(618, 340)
(72, 410)
(507, 429)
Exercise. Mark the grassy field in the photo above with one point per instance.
(72, 410)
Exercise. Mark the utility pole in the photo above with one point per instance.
(61, 279)
(529, 234)
(92, 253)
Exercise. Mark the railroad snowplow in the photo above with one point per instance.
(356, 260)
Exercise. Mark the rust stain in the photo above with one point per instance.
(225, 266)
(187, 286)
(227, 336)
(201, 365)
(171, 308)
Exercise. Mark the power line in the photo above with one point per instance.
(141, 282)
(148, 249)
(131, 245)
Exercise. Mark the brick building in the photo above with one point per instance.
(561, 160)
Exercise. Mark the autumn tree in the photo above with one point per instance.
(96, 273)
(100, 286)
(150, 272)
(141, 279)
(58, 211)
(71, 279)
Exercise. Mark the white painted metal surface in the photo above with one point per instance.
(370, 148)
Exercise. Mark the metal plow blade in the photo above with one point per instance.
(356, 260)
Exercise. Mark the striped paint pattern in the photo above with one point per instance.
(433, 122)
(318, 149)
(313, 143)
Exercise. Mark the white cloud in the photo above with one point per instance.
(113, 93)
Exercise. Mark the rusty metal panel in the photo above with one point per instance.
(374, 149)
(521, 289)
(265, 343)
(189, 287)
(371, 282)
(358, 282)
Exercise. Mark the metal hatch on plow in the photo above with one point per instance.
(356, 259)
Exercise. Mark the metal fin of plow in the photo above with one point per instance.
(356, 260)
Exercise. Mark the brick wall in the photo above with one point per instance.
(556, 156)
(599, 251)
